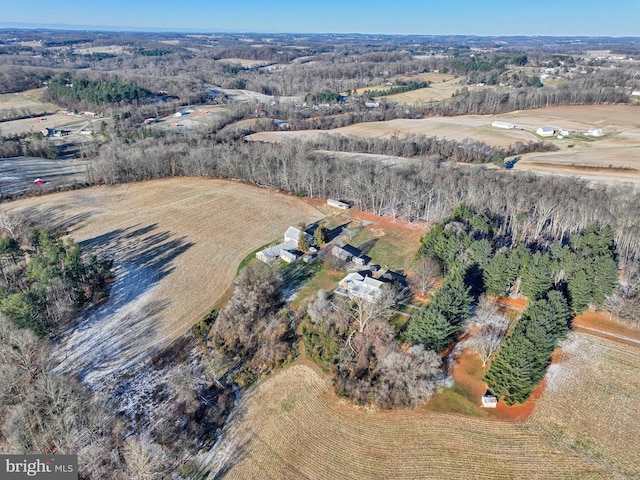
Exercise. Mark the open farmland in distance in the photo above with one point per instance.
(611, 157)
(176, 243)
(27, 102)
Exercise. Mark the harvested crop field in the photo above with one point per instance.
(610, 158)
(474, 127)
(177, 245)
(28, 101)
(618, 122)
(608, 164)
(291, 426)
(591, 404)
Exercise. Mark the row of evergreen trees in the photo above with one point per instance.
(69, 91)
(526, 352)
(559, 279)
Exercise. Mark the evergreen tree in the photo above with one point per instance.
(509, 376)
(321, 235)
(561, 313)
(453, 299)
(579, 287)
(431, 328)
(436, 324)
(302, 241)
(537, 278)
(604, 280)
(495, 275)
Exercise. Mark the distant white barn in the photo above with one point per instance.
(501, 124)
(546, 131)
(595, 132)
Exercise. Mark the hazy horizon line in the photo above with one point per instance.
(132, 29)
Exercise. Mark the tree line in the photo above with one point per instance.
(423, 189)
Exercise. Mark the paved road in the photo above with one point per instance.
(17, 174)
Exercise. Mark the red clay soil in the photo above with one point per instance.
(519, 303)
(467, 374)
(386, 221)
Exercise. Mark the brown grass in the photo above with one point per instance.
(208, 226)
(29, 99)
(291, 426)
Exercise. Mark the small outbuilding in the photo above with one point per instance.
(289, 256)
(546, 131)
(501, 124)
(338, 204)
(595, 132)
(489, 401)
(341, 253)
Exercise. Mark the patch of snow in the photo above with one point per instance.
(115, 335)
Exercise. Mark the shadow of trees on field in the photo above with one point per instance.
(122, 329)
(143, 257)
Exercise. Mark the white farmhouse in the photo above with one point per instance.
(355, 285)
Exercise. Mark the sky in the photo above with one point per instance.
(428, 17)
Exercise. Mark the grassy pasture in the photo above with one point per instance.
(28, 101)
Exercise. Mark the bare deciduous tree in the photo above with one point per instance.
(487, 341)
(424, 273)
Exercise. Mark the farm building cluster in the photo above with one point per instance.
(52, 132)
(547, 131)
(563, 132)
(287, 251)
(368, 279)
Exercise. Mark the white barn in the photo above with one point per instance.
(501, 124)
(293, 234)
(546, 131)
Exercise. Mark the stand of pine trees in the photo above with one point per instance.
(560, 279)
